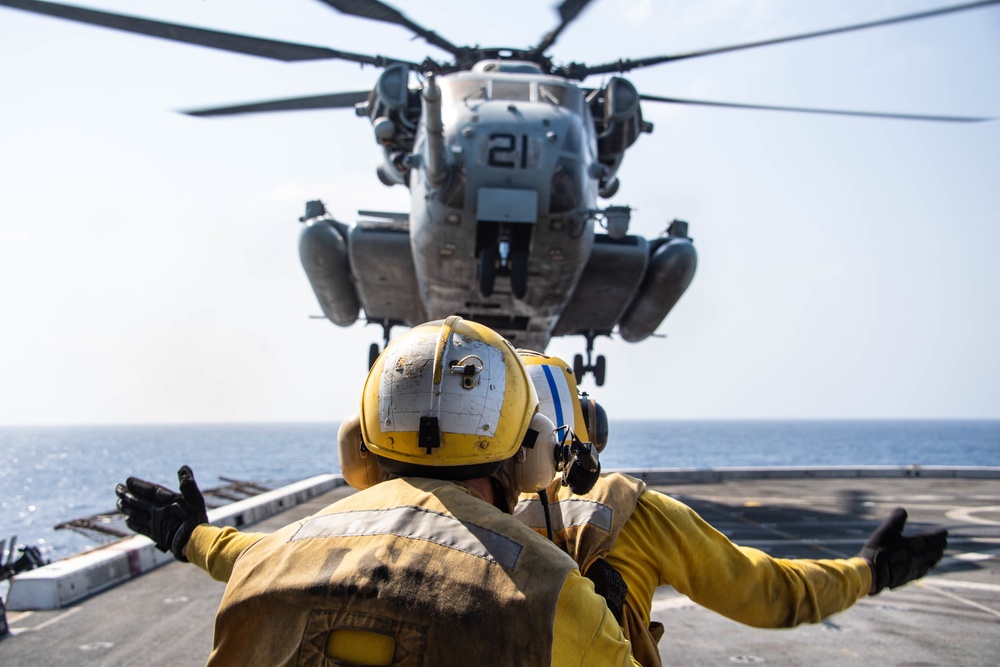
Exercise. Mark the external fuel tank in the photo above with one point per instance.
(671, 267)
(323, 251)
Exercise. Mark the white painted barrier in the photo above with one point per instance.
(704, 475)
(71, 579)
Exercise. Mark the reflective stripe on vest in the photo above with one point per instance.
(418, 524)
(565, 514)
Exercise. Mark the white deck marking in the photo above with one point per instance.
(957, 598)
(966, 514)
(68, 612)
(941, 582)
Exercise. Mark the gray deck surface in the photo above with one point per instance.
(950, 618)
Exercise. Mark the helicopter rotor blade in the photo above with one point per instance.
(579, 71)
(225, 41)
(569, 10)
(328, 101)
(834, 112)
(379, 11)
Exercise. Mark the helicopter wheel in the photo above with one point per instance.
(599, 370)
(373, 353)
(519, 273)
(578, 368)
(487, 270)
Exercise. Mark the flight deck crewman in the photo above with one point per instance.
(424, 568)
(630, 540)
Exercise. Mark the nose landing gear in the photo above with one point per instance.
(598, 368)
(504, 252)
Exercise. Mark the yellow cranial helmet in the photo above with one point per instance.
(558, 396)
(559, 400)
(448, 399)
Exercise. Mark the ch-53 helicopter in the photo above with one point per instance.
(506, 155)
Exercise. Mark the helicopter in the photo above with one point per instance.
(506, 155)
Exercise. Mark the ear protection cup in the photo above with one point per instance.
(358, 466)
(596, 419)
(535, 466)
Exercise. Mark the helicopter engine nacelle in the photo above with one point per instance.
(394, 111)
(388, 106)
(618, 117)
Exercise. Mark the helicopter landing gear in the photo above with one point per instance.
(598, 368)
(373, 349)
(504, 251)
(487, 270)
(519, 272)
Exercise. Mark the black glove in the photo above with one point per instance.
(166, 517)
(897, 559)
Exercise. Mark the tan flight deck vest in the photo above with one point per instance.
(586, 527)
(451, 578)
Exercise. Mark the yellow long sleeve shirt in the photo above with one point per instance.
(665, 542)
(652, 540)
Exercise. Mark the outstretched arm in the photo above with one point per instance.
(178, 522)
(666, 542)
(215, 550)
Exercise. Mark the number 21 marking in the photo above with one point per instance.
(503, 151)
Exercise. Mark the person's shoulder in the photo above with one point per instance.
(539, 549)
(657, 506)
(621, 479)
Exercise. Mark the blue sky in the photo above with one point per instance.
(148, 260)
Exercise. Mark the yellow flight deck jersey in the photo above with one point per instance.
(653, 540)
(412, 571)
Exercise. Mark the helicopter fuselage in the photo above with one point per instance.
(505, 165)
(504, 234)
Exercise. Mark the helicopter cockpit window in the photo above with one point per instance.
(511, 90)
(564, 96)
(456, 92)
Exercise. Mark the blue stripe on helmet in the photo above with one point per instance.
(555, 396)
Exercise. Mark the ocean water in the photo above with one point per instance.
(50, 475)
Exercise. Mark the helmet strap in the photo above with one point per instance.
(543, 497)
(501, 498)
